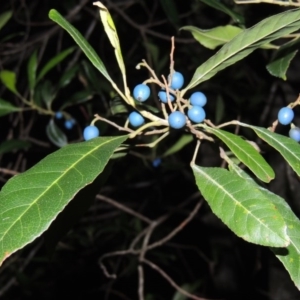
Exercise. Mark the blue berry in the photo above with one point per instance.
(141, 92)
(285, 115)
(90, 132)
(198, 98)
(294, 134)
(177, 119)
(177, 81)
(196, 114)
(135, 119)
(58, 115)
(162, 95)
(156, 162)
(69, 123)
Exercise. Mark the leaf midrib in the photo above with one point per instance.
(262, 170)
(231, 196)
(240, 49)
(49, 187)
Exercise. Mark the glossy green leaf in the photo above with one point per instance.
(246, 153)
(47, 93)
(286, 146)
(68, 76)
(7, 108)
(79, 97)
(5, 17)
(29, 202)
(241, 208)
(8, 78)
(112, 34)
(54, 61)
(117, 106)
(290, 257)
(216, 4)
(245, 43)
(55, 135)
(170, 9)
(11, 145)
(184, 140)
(31, 71)
(80, 40)
(282, 59)
(212, 38)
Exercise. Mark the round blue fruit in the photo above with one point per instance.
(196, 114)
(285, 115)
(177, 119)
(69, 123)
(141, 92)
(90, 132)
(135, 119)
(156, 162)
(198, 98)
(294, 134)
(177, 81)
(58, 115)
(162, 95)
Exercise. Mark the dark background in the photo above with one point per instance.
(205, 257)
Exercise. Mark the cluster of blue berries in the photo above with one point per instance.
(176, 119)
(285, 117)
(69, 123)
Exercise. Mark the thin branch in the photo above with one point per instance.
(171, 281)
(124, 208)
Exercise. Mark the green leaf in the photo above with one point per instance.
(282, 59)
(54, 62)
(55, 135)
(184, 140)
(112, 34)
(7, 108)
(47, 93)
(212, 38)
(220, 6)
(5, 17)
(80, 40)
(117, 106)
(11, 145)
(67, 76)
(241, 208)
(246, 153)
(286, 146)
(169, 7)
(246, 42)
(31, 71)
(79, 97)
(8, 78)
(31, 201)
(290, 257)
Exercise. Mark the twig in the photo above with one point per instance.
(9, 172)
(177, 229)
(28, 259)
(124, 208)
(171, 281)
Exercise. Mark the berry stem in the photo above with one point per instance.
(97, 117)
(153, 144)
(135, 133)
(195, 152)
